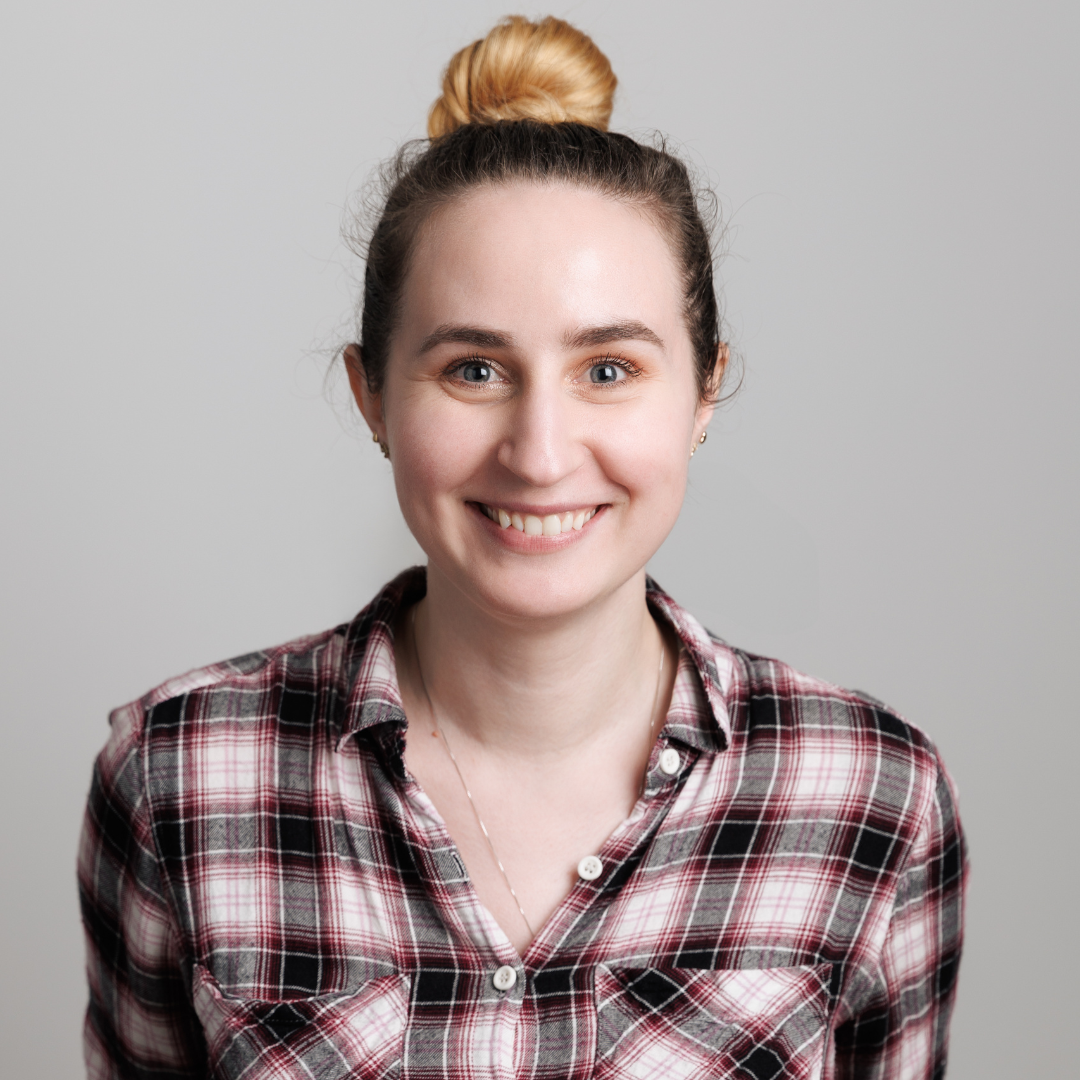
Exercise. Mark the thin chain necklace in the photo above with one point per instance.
(461, 776)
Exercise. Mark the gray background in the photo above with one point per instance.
(891, 503)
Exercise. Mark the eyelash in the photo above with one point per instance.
(631, 369)
(455, 366)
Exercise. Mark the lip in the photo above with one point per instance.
(537, 511)
(533, 545)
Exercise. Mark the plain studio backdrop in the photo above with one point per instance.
(891, 502)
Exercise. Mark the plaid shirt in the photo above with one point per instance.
(268, 893)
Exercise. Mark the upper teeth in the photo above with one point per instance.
(531, 525)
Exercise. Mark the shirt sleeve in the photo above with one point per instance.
(139, 1022)
(902, 1031)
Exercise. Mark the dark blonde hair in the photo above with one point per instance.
(532, 101)
(547, 71)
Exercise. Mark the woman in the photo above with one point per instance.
(523, 816)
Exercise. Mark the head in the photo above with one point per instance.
(540, 347)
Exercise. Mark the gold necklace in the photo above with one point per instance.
(461, 776)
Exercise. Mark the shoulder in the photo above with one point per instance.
(828, 740)
(767, 706)
(290, 691)
(777, 695)
(254, 686)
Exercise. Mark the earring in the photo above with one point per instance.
(382, 446)
(693, 449)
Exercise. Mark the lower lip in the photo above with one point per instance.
(532, 545)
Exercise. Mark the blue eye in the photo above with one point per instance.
(476, 373)
(604, 373)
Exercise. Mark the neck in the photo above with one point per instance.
(531, 689)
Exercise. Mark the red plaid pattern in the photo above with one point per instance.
(268, 894)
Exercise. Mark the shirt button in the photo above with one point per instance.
(505, 978)
(590, 868)
(670, 761)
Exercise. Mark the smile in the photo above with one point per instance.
(533, 525)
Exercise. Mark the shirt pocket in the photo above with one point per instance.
(330, 1037)
(693, 1024)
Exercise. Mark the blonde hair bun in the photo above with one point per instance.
(522, 70)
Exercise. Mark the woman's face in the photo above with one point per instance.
(540, 400)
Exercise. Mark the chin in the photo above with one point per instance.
(538, 594)
(544, 588)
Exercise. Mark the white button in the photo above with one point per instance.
(505, 978)
(670, 761)
(590, 868)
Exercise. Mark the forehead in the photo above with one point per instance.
(527, 252)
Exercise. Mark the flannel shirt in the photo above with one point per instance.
(267, 893)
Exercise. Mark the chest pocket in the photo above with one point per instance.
(692, 1024)
(329, 1037)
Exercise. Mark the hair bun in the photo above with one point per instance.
(546, 71)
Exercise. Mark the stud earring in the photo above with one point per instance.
(382, 446)
(693, 449)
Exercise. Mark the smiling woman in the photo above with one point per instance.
(524, 816)
(543, 368)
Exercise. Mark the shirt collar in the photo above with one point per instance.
(713, 663)
(373, 696)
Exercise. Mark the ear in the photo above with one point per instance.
(367, 401)
(707, 406)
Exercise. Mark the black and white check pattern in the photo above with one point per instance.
(268, 894)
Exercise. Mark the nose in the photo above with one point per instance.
(543, 444)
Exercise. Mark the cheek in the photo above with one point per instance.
(434, 449)
(649, 457)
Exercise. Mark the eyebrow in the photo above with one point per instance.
(465, 335)
(590, 336)
(585, 338)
